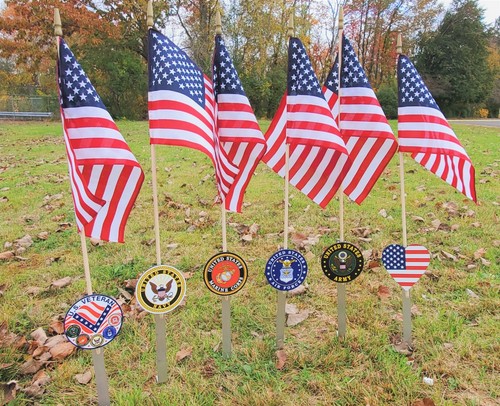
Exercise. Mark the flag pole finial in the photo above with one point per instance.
(57, 23)
(341, 18)
(399, 44)
(149, 13)
(291, 27)
(218, 23)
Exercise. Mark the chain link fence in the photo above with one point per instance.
(28, 107)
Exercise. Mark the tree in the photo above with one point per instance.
(454, 60)
(373, 26)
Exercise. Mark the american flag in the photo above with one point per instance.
(237, 127)
(424, 132)
(318, 156)
(406, 265)
(181, 107)
(363, 125)
(105, 177)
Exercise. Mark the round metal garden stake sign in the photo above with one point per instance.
(93, 322)
(160, 289)
(286, 269)
(225, 273)
(342, 262)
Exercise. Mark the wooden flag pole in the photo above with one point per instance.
(226, 300)
(97, 355)
(160, 322)
(281, 303)
(407, 336)
(281, 299)
(341, 287)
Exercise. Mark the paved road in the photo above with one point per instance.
(492, 122)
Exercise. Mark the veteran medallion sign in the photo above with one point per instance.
(160, 289)
(342, 262)
(225, 273)
(93, 322)
(286, 269)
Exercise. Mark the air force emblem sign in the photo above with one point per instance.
(225, 273)
(160, 289)
(286, 269)
(93, 322)
(342, 262)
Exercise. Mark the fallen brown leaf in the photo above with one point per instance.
(299, 290)
(39, 335)
(84, 378)
(280, 359)
(403, 348)
(62, 350)
(209, 368)
(56, 326)
(55, 340)
(479, 253)
(61, 283)
(6, 255)
(423, 402)
(383, 292)
(31, 366)
(8, 391)
(183, 353)
(294, 319)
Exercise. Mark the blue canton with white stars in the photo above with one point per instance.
(171, 69)
(412, 89)
(226, 79)
(301, 77)
(76, 89)
(352, 74)
(393, 257)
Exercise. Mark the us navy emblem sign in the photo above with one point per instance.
(160, 289)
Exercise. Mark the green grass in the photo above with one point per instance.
(456, 337)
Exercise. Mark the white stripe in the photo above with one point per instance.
(431, 143)
(366, 126)
(235, 133)
(94, 133)
(164, 114)
(425, 126)
(104, 153)
(86, 112)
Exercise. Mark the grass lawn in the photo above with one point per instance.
(456, 327)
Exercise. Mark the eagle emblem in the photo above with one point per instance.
(161, 292)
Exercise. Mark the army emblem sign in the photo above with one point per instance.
(225, 273)
(160, 289)
(286, 270)
(93, 322)
(342, 262)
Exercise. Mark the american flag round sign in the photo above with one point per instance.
(406, 265)
(93, 321)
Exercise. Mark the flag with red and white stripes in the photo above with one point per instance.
(368, 137)
(181, 107)
(406, 265)
(236, 125)
(318, 157)
(105, 176)
(425, 133)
